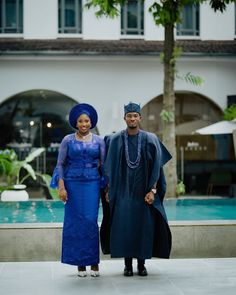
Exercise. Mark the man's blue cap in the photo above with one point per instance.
(83, 108)
(132, 108)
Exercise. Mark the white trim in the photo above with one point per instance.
(14, 35)
(132, 36)
(187, 37)
(63, 35)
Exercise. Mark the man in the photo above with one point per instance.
(138, 223)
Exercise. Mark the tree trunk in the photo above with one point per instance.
(169, 106)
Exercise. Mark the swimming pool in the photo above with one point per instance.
(32, 230)
(176, 209)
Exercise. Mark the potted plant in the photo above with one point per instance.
(12, 187)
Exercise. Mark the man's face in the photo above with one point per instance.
(132, 119)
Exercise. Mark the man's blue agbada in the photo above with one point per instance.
(131, 227)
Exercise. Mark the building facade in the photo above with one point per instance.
(55, 53)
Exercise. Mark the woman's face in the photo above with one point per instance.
(83, 123)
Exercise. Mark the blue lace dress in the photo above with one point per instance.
(78, 164)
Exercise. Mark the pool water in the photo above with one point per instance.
(176, 209)
(201, 209)
(31, 211)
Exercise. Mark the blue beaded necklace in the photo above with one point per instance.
(132, 164)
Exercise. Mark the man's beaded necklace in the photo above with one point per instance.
(132, 164)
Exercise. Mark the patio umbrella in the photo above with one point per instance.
(222, 127)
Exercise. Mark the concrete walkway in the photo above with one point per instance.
(167, 277)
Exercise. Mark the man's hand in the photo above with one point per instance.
(149, 198)
(107, 197)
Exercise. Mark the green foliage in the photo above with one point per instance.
(167, 116)
(10, 166)
(53, 192)
(168, 12)
(176, 53)
(108, 8)
(165, 12)
(162, 57)
(180, 188)
(190, 78)
(230, 113)
(219, 4)
(6, 156)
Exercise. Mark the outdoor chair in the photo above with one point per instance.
(219, 179)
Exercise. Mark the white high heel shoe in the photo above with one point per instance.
(94, 273)
(82, 273)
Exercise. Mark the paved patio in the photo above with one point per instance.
(169, 277)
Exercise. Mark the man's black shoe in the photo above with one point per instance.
(142, 272)
(128, 272)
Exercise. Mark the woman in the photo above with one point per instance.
(77, 177)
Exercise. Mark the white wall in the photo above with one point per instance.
(100, 28)
(218, 74)
(41, 22)
(40, 19)
(151, 30)
(110, 82)
(217, 25)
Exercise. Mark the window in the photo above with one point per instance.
(11, 16)
(190, 21)
(132, 18)
(70, 16)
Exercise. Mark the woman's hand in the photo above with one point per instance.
(149, 198)
(62, 194)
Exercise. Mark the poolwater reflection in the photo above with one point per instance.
(180, 209)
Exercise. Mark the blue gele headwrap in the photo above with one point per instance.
(83, 108)
(132, 108)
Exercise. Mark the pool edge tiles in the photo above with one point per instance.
(207, 222)
(31, 225)
(171, 223)
(190, 239)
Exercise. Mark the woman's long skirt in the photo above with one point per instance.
(80, 238)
